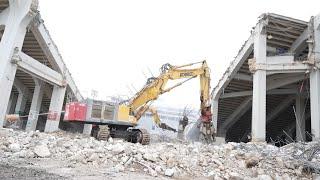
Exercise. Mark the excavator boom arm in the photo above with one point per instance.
(140, 103)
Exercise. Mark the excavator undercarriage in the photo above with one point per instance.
(130, 134)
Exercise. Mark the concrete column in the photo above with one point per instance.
(55, 109)
(13, 104)
(16, 21)
(9, 103)
(300, 118)
(315, 81)
(259, 86)
(315, 103)
(21, 103)
(35, 105)
(87, 128)
(215, 104)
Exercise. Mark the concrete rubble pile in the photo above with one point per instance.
(231, 160)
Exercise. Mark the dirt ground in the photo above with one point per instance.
(8, 172)
(47, 169)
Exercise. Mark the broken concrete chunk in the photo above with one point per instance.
(169, 172)
(42, 151)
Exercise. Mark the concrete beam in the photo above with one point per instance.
(280, 60)
(284, 80)
(300, 43)
(52, 53)
(38, 70)
(232, 70)
(35, 105)
(243, 77)
(249, 93)
(55, 109)
(279, 64)
(20, 15)
(296, 67)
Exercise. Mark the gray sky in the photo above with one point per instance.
(108, 44)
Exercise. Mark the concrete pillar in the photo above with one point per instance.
(315, 103)
(13, 104)
(35, 105)
(259, 86)
(87, 128)
(21, 103)
(300, 118)
(17, 18)
(55, 109)
(9, 103)
(215, 104)
(315, 81)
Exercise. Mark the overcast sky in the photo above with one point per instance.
(108, 45)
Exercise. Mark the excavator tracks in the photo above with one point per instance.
(144, 138)
(141, 136)
(103, 133)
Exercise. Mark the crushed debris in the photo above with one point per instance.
(164, 159)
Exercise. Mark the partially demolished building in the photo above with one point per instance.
(271, 90)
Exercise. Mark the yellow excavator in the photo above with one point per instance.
(155, 86)
(129, 112)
